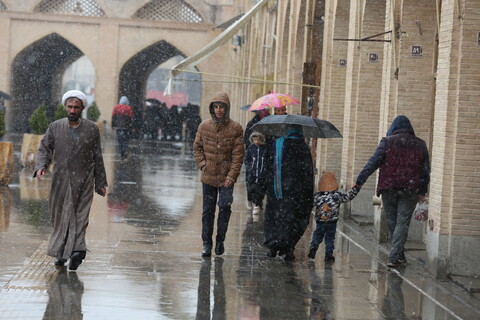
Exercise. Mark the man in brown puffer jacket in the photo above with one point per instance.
(219, 152)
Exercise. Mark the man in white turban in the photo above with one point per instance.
(73, 144)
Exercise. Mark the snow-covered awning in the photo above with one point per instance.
(210, 48)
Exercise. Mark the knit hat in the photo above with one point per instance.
(328, 182)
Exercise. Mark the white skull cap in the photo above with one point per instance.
(75, 94)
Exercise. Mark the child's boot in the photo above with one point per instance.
(329, 257)
(313, 252)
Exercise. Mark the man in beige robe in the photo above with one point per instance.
(73, 144)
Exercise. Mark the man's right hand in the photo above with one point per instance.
(40, 174)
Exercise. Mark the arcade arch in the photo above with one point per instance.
(169, 10)
(135, 72)
(37, 73)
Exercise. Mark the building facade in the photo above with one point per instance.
(368, 61)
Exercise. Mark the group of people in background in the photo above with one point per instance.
(155, 121)
(282, 169)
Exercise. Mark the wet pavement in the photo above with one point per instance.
(144, 260)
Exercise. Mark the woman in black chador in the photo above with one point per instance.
(289, 194)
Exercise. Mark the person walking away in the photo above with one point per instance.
(218, 150)
(73, 144)
(326, 203)
(192, 122)
(403, 181)
(122, 123)
(289, 204)
(256, 175)
(259, 115)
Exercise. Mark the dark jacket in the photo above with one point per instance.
(402, 158)
(286, 219)
(255, 159)
(218, 147)
(249, 130)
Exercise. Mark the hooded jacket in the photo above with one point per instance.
(218, 148)
(255, 158)
(402, 158)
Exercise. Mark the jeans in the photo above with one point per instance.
(122, 139)
(399, 206)
(328, 231)
(225, 199)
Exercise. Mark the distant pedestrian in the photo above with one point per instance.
(122, 122)
(403, 181)
(289, 193)
(219, 152)
(326, 205)
(255, 160)
(73, 144)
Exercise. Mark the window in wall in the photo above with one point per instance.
(77, 7)
(168, 10)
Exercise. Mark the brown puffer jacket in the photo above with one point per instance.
(218, 146)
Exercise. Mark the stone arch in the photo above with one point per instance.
(134, 73)
(37, 73)
(88, 8)
(169, 10)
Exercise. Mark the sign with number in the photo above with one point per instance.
(372, 57)
(416, 51)
(342, 62)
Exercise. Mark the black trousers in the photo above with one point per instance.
(225, 198)
(256, 190)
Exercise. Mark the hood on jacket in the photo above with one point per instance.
(257, 134)
(401, 122)
(220, 97)
(124, 100)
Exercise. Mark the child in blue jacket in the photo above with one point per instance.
(327, 204)
(256, 174)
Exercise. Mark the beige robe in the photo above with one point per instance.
(77, 171)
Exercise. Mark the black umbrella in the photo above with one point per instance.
(277, 125)
(245, 107)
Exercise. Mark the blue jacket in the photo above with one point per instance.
(255, 161)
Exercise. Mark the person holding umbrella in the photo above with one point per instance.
(289, 168)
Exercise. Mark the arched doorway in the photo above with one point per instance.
(135, 72)
(37, 74)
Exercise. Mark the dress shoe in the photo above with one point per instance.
(207, 250)
(76, 259)
(219, 248)
(60, 262)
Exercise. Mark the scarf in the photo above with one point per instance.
(277, 164)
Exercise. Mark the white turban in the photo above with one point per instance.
(75, 94)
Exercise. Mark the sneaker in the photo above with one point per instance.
(257, 209)
(312, 253)
(329, 258)
(60, 262)
(249, 204)
(394, 264)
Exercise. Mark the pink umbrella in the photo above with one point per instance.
(273, 100)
